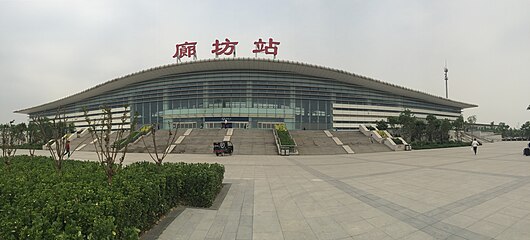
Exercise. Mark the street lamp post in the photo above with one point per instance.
(445, 71)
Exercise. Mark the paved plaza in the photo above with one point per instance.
(427, 194)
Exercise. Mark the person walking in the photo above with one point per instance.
(475, 144)
(67, 148)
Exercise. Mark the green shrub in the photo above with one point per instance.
(36, 202)
(283, 135)
(133, 136)
(201, 174)
(427, 145)
(397, 141)
(382, 133)
(30, 146)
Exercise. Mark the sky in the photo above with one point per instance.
(53, 49)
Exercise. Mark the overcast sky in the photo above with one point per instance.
(52, 49)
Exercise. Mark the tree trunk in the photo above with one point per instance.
(58, 165)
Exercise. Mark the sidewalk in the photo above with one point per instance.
(427, 194)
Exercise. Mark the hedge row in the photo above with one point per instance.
(38, 203)
(283, 135)
(30, 146)
(133, 136)
(397, 141)
(428, 145)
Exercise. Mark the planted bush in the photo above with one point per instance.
(427, 145)
(36, 202)
(133, 136)
(283, 135)
(397, 141)
(382, 133)
(30, 146)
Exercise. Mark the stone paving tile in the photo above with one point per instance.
(487, 228)
(398, 229)
(359, 169)
(326, 228)
(493, 166)
(354, 228)
(515, 212)
(512, 235)
(228, 235)
(460, 220)
(521, 226)
(436, 233)
(197, 235)
(244, 232)
(431, 194)
(295, 225)
(268, 235)
(382, 220)
(266, 222)
(502, 219)
(417, 235)
(183, 227)
(455, 237)
(306, 235)
(373, 234)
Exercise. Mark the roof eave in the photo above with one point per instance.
(250, 63)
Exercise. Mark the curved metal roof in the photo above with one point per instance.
(245, 64)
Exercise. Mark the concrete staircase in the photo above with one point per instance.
(80, 143)
(360, 143)
(162, 137)
(200, 141)
(254, 142)
(315, 142)
(246, 142)
(89, 147)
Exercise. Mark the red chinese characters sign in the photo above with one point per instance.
(270, 48)
(227, 47)
(187, 49)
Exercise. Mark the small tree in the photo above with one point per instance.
(471, 120)
(159, 157)
(10, 136)
(108, 148)
(502, 128)
(458, 125)
(381, 125)
(408, 124)
(55, 132)
(32, 139)
(393, 123)
(433, 125)
(418, 130)
(445, 126)
(525, 130)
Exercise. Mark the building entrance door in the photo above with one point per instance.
(228, 125)
(240, 125)
(185, 124)
(213, 125)
(267, 125)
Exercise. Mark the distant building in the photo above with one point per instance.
(253, 93)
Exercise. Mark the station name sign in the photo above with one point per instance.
(226, 47)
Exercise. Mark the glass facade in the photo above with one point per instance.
(245, 98)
